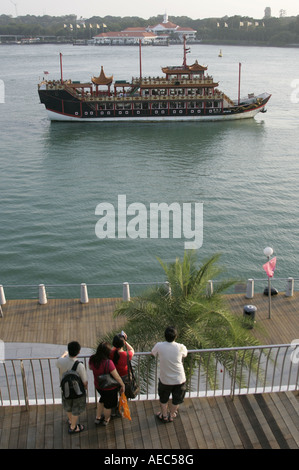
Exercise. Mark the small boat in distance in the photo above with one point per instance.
(184, 93)
(220, 53)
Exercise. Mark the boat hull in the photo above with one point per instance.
(54, 116)
(225, 115)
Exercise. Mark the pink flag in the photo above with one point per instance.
(270, 267)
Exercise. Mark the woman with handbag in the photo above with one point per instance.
(122, 360)
(107, 382)
(119, 356)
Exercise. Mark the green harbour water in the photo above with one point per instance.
(53, 175)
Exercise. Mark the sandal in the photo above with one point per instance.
(162, 418)
(78, 428)
(104, 422)
(99, 420)
(172, 416)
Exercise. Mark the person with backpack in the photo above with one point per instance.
(73, 382)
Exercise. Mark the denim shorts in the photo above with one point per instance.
(178, 393)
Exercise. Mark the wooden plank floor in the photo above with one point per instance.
(282, 327)
(59, 321)
(262, 421)
(62, 320)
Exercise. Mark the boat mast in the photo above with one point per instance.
(140, 66)
(239, 86)
(186, 50)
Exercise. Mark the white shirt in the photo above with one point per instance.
(171, 362)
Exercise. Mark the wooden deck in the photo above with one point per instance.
(265, 421)
(62, 320)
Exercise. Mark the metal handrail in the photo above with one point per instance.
(27, 381)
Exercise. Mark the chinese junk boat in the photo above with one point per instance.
(185, 93)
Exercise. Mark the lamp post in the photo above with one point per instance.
(268, 251)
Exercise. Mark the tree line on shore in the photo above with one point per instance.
(273, 31)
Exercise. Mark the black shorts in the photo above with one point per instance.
(178, 393)
(109, 398)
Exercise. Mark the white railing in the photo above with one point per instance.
(271, 368)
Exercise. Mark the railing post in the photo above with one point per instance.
(2, 296)
(126, 292)
(290, 287)
(42, 294)
(210, 288)
(168, 288)
(234, 376)
(250, 289)
(24, 385)
(84, 294)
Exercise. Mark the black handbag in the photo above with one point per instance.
(106, 380)
(131, 386)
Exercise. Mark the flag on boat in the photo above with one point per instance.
(269, 267)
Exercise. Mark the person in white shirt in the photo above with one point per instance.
(172, 374)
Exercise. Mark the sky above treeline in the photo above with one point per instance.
(194, 9)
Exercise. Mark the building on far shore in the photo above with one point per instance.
(160, 33)
(124, 38)
(171, 29)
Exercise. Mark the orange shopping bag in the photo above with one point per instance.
(123, 404)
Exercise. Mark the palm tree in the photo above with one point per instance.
(202, 319)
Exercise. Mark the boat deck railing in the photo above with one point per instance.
(212, 372)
